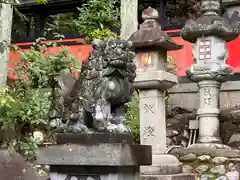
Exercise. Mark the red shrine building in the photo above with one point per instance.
(182, 58)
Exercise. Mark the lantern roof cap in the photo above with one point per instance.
(150, 34)
(210, 24)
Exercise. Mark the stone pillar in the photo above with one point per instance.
(129, 18)
(6, 14)
(209, 34)
(151, 45)
(208, 111)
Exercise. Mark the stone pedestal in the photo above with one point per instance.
(152, 80)
(153, 120)
(208, 111)
(153, 125)
(97, 156)
(209, 78)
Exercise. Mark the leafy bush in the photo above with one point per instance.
(133, 117)
(25, 105)
(97, 15)
(101, 34)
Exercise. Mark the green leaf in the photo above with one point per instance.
(42, 1)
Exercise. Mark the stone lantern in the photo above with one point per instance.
(209, 34)
(151, 46)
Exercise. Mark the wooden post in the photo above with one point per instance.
(6, 15)
(129, 18)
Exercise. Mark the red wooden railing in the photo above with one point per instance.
(182, 58)
(81, 51)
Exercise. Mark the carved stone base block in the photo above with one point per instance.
(162, 165)
(209, 146)
(94, 173)
(170, 177)
(165, 167)
(93, 159)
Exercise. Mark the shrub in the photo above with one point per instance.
(26, 103)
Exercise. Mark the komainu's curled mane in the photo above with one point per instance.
(96, 100)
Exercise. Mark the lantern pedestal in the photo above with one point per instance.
(152, 81)
(209, 78)
(153, 122)
(152, 85)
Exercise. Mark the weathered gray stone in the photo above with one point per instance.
(202, 168)
(93, 138)
(235, 160)
(74, 178)
(188, 157)
(162, 164)
(219, 160)
(206, 177)
(124, 175)
(13, 166)
(232, 167)
(161, 169)
(209, 146)
(218, 169)
(178, 119)
(230, 153)
(233, 175)
(112, 154)
(111, 176)
(169, 142)
(205, 158)
(222, 178)
(234, 140)
(187, 169)
(184, 176)
(172, 132)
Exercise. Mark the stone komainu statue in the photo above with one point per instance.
(96, 100)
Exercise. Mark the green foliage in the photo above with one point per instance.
(61, 23)
(29, 147)
(25, 105)
(97, 15)
(42, 67)
(101, 34)
(133, 116)
(42, 1)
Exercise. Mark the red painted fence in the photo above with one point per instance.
(182, 58)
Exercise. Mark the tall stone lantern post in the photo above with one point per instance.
(151, 46)
(209, 34)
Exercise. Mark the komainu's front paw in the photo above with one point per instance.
(121, 128)
(77, 128)
(112, 128)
